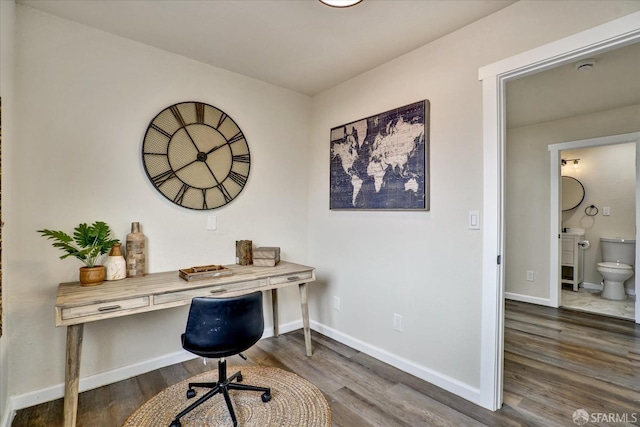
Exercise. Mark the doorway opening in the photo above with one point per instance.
(612, 35)
(609, 174)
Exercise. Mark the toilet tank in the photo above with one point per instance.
(616, 249)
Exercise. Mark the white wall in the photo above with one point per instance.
(424, 266)
(84, 99)
(7, 26)
(527, 192)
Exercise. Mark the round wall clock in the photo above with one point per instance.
(196, 156)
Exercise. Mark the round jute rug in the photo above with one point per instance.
(295, 402)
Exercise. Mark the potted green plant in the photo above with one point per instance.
(87, 244)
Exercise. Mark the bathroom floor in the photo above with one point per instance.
(589, 300)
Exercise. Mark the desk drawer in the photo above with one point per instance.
(209, 291)
(105, 308)
(291, 278)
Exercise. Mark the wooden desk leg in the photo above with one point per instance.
(274, 307)
(305, 317)
(72, 373)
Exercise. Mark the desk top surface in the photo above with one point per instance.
(72, 294)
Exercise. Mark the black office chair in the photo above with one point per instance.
(217, 328)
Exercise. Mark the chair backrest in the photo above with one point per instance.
(220, 327)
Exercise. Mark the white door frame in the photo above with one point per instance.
(612, 35)
(556, 215)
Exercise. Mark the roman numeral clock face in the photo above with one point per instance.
(196, 156)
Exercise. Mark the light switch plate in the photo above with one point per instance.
(212, 222)
(474, 220)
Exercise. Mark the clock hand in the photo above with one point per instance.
(215, 148)
(182, 167)
(202, 156)
(212, 174)
(186, 129)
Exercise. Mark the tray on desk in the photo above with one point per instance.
(204, 272)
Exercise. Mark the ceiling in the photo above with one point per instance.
(613, 82)
(301, 45)
(307, 47)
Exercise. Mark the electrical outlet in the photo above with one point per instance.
(397, 322)
(530, 276)
(606, 211)
(336, 303)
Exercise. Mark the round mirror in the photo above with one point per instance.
(572, 193)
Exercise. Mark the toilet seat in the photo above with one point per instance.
(615, 266)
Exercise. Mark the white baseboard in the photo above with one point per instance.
(98, 380)
(526, 298)
(594, 286)
(8, 414)
(445, 382)
(598, 287)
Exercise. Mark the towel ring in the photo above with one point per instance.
(591, 210)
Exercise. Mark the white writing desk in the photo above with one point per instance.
(77, 305)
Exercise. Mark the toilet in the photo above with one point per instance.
(618, 258)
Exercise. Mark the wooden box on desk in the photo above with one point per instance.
(266, 257)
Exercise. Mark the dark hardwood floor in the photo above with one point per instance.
(556, 361)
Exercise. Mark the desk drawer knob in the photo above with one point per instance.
(217, 291)
(109, 308)
(292, 278)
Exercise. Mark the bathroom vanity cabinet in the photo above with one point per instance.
(572, 260)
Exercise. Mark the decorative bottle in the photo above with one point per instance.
(136, 261)
(115, 265)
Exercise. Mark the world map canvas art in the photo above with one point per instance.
(381, 162)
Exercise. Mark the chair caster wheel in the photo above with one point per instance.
(239, 378)
(191, 393)
(266, 397)
(175, 423)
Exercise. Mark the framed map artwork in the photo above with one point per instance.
(381, 162)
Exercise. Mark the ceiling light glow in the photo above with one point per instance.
(340, 3)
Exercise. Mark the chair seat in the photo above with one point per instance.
(212, 353)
